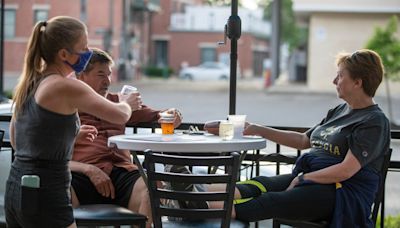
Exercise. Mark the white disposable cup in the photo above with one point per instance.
(226, 130)
(127, 89)
(167, 117)
(238, 122)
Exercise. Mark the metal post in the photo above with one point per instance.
(233, 32)
(233, 76)
(108, 33)
(2, 52)
(275, 39)
(123, 70)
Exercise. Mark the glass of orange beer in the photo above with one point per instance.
(167, 123)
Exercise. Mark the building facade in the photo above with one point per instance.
(22, 15)
(188, 34)
(139, 33)
(339, 25)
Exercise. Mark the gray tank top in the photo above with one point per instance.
(41, 134)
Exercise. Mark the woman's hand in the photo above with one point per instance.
(294, 182)
(87, 132)
(251, 129)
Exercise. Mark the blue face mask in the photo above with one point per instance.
(82, 62)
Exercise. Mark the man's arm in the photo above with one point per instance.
(144, 115)
(100, 179)
(12, 126)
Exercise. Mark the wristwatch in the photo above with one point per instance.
(301, 178)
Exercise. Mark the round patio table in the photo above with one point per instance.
(186, 143)
(183, 143)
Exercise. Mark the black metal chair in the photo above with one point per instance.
(107, 215)
(192, 217)
(322, 224)
(2, 216)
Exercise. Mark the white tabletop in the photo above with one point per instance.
(185, 143)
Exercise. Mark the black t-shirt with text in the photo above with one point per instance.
(366, 132)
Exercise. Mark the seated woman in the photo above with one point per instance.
(338, 178)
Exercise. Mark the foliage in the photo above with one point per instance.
(390, 221)
(387, 45)
(291, 34)
(8, 94)
(221, 2)
(153, 71)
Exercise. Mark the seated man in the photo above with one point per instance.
(101, 174)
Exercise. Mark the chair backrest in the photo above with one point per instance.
(1, 137)
(381, 188)
(231, 164)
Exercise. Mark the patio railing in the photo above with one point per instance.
(256, 159)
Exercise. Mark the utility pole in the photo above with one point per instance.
(2, 53)
(275, 39)
(108, 33)
(123, 68)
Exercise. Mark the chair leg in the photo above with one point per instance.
(275, 224)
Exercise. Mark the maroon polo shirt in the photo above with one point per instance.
(97, 152)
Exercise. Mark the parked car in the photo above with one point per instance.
(206, 71)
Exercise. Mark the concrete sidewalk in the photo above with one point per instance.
(173, 83)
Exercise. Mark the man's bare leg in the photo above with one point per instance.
(140, 200)
(74, 198)
(73, 225)
(220, 204)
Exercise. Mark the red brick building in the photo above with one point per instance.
(190, 33)
(147, 37)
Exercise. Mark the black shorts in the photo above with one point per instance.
(122, 180)
(45, 207)
(306, 202)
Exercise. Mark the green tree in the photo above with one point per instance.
(387, 45)
(221, 2)
(291, 33)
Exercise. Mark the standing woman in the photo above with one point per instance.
(45, 123)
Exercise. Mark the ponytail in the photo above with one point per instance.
(46, 40)
(33, 65)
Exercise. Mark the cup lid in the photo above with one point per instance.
(166, 115)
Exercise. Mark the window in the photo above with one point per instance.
(9, 23)
(161, 49)
(208, 55)
(40, 15)
(211, 21)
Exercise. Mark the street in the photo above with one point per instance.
(289, 105)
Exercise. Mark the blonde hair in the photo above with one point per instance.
(46, 40)
(366, 65)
